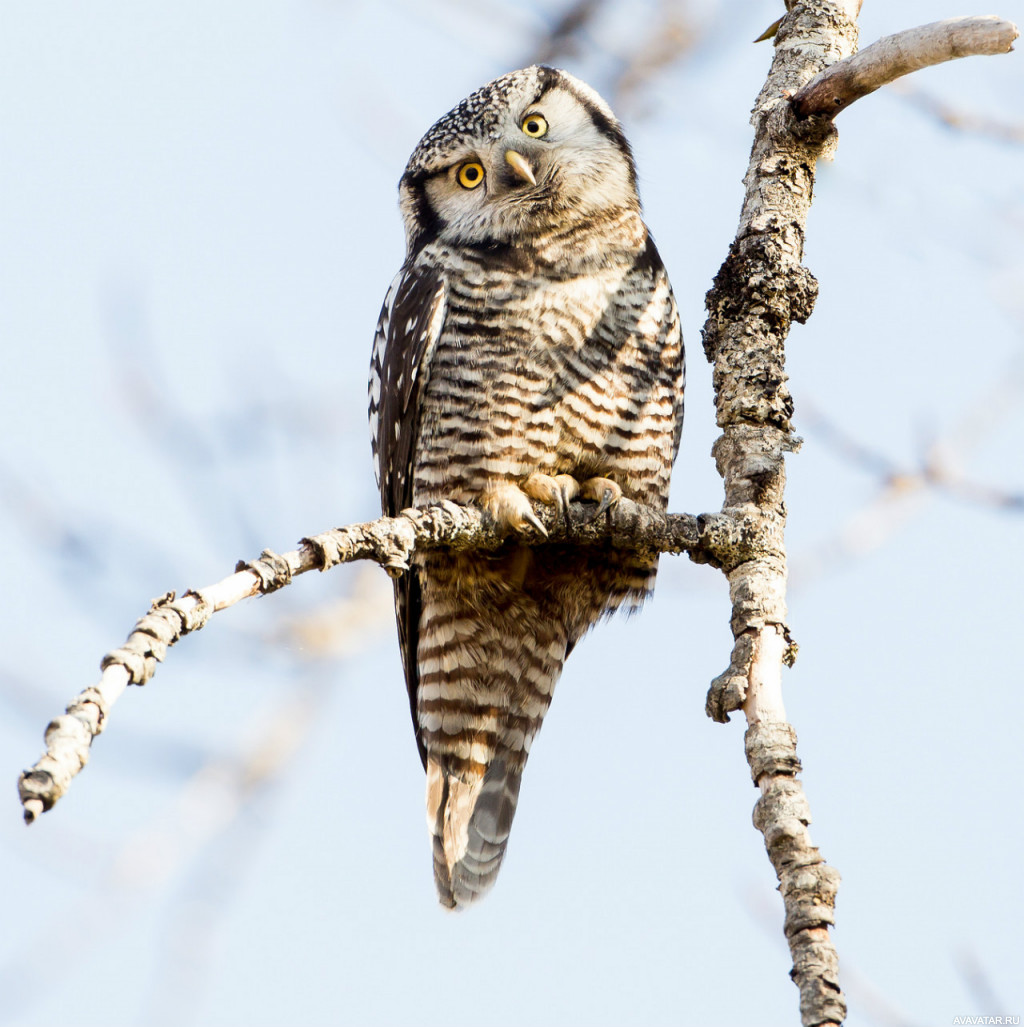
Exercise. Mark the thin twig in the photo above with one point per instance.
(958, 119)
(562, 39)
(904, 487)
(389, 541)
(846, 81)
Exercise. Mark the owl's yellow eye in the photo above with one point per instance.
(471, 174)
(534, 125)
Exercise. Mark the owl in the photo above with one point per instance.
(529, 349)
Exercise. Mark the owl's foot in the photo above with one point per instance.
(509, 507)
(558, 491)
(602, 491)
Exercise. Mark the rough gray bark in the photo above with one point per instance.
(760, 290)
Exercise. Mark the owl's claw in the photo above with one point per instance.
(509, 507)
(561, 489)
(534, 521)
(604, 492)
(558, 491)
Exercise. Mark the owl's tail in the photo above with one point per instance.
(470, 817)
(488, 656)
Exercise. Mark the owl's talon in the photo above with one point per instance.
(509, 507)
(602, 490)
(607, 499)
(534, 521)
(558, 491)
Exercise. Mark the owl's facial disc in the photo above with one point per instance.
(530, 152)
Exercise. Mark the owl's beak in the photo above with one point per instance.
(520, 165)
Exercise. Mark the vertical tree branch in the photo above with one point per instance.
(760, 290)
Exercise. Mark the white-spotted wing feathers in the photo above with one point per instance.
(408, 329)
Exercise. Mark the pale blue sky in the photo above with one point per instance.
(198, 222)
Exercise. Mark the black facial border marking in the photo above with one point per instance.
(429, 223)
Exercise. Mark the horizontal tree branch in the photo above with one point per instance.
(892, 57)
(390, 541)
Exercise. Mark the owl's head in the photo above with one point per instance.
(531, 151)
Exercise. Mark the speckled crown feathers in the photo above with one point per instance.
(481, 112)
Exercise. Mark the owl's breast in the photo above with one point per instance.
(558, 375)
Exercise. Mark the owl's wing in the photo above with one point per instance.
(408, 329)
